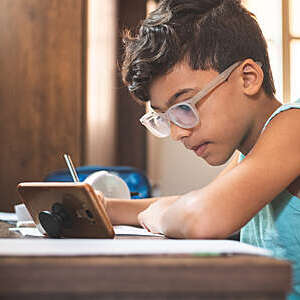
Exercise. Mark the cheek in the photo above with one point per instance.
(214, 119)
(225, 127)
(224, 114)
(229, 129)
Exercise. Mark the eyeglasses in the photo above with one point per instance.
(183, 114)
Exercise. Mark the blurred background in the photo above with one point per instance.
(61, 92)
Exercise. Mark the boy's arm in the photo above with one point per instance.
(122, 211)
(231, 200)
(126, 211)
(232, 164)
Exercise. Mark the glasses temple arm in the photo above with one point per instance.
(219, 79)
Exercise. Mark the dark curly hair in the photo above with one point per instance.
(209, 34)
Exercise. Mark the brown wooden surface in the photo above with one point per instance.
(41, 79)
(145, 277)
(130, 136)
(144, 296)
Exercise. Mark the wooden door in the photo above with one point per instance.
(41, 89)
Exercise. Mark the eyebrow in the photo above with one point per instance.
(173, 98)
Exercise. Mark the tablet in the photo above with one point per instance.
(66, 209)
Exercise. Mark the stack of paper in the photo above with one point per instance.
(111, 247)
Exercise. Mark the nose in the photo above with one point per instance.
(177, 133)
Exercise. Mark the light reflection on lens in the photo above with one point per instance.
(183, 115)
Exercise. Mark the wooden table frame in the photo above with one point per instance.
(145, 277)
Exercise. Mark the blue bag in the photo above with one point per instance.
(136, 180)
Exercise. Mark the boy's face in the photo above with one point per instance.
(224, 116)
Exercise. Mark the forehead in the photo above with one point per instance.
(180, 78)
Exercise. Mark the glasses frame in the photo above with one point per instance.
(191, 103)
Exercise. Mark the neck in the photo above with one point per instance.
(266, 107)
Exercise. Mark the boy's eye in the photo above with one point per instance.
(184, 107)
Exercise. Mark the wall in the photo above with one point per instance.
(101, 69)
(130, 137)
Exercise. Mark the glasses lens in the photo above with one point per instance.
(158, 125)
(183, 115)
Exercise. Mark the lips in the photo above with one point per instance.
(200, 149)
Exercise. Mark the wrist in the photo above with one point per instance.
(102, 199)
(108, 206)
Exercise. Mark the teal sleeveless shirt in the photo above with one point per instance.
(277, 226)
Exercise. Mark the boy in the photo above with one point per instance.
(203, 68)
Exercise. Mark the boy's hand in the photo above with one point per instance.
(151, 217)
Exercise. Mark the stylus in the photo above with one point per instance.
(70, 165)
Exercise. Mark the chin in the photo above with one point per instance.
(216, 161)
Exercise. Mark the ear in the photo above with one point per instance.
(252, 76)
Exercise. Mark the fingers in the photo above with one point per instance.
(148, 221)
(141, 220)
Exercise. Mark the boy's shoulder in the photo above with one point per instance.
(285, 107)
(279, 143)
(281, 132)
(273, 164)
(283, 123)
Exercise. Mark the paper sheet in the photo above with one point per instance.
(27, 231)
(119, 230)
(8, 217)
(112, 247)
(132, 230)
